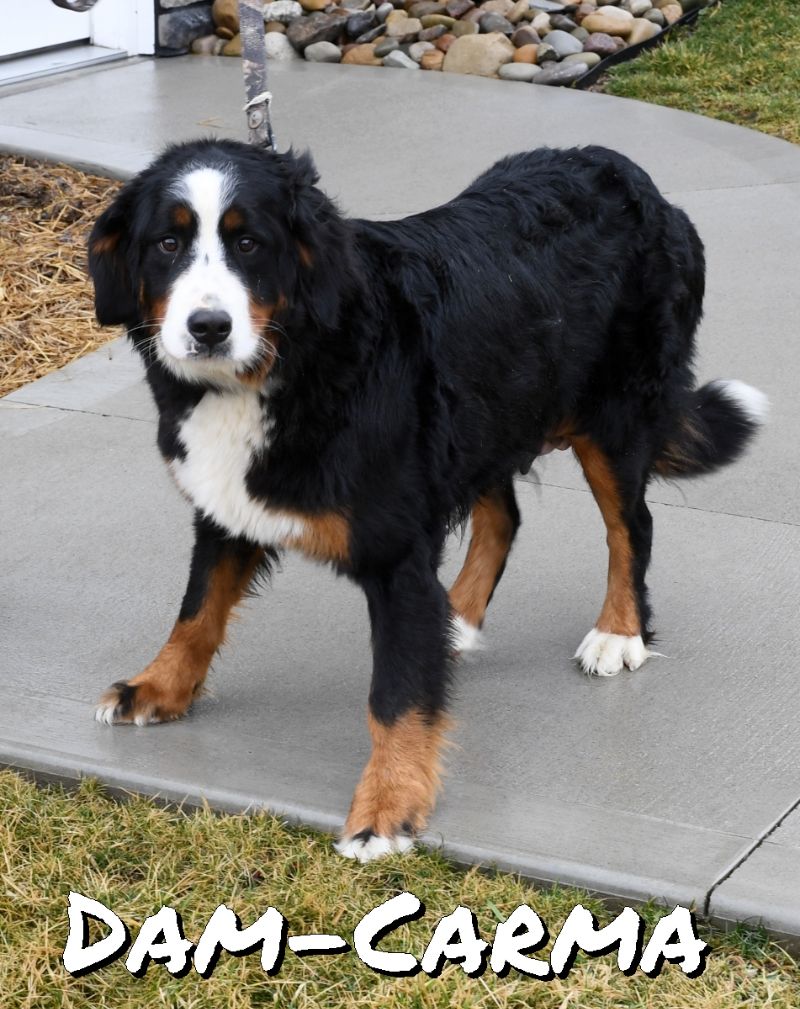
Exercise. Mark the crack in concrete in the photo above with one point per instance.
(74, 409)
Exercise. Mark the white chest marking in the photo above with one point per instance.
(221, 437)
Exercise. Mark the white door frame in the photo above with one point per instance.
(125, 24)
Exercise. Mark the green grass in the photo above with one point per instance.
(135, 856)
(741, 64)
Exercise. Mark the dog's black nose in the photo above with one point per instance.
(209, 327)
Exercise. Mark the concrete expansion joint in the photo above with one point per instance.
(757, 843)
(539, 483)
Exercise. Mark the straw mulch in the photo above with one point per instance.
(46, 310)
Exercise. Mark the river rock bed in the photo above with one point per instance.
(540, 41)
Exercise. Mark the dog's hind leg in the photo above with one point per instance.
(221, 571)
(407, 723)
(620, 636)
(495, 520)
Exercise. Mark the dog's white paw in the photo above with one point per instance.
(464, 636)
(109, 713)
(105, 712)
(603, 654)
(374, 846)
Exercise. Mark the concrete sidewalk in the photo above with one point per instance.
(678, 782)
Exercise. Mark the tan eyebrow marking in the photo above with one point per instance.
(181, 216)
(232, 219)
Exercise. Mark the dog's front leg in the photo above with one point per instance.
(221, 570)
(409, 615)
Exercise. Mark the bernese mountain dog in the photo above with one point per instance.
(356, 389)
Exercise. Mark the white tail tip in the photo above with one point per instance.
(751, 400)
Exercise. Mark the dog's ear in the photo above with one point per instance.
(115, 299)
(322, 244)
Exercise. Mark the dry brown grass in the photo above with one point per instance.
(46, 311)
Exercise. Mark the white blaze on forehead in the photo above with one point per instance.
(208, 191)
(207, 281)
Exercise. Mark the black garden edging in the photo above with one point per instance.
(631, 52)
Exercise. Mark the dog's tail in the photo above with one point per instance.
(714, 427)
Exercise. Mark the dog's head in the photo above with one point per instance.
(205, 255)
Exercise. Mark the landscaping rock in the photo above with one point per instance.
(478, 54)
(400, 60)
(316, 28)
(495, 23)
(590, 59)
(610, 20)
(563, 43)
(462, 28)
(284, 11)
(582, 10)
(233, 47)
(275, 26)
(402, 28)
(458, 8)
(642, 31)
(422, 7)
(445, 41)
(208, 45)
(278, 47)
(656, 17)
(323, 52)
(525, 54)
(417, 50)
(362, 56)
(373, 34)
(178, 29)
(226, 15)
(546, 54)
(360, 22)
(314, 5)
(518, 11)
(637, 7)
(564, 24)
(600, 43)
(562, 73)
(518, 71)
(432, 33)
(671, 13)
(541, 24)
(502, 7)
(438, 20)
(525, 36)
(432, 60)
(384, 11)
(548, 5)
(386, 46)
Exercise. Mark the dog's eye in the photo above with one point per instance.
(246, 245)
(168, 245)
